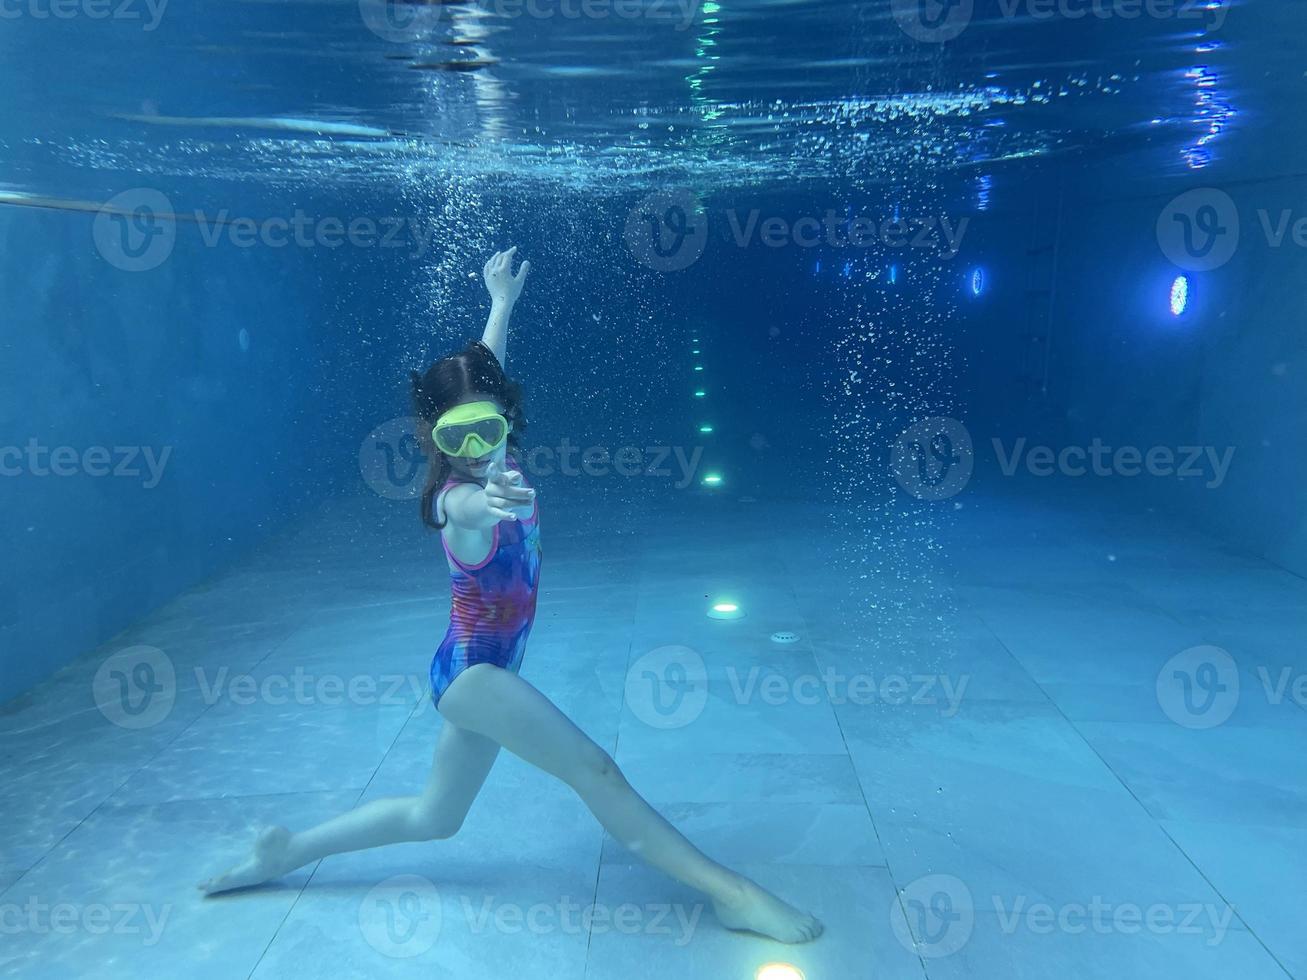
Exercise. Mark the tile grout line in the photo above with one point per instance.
(126, 779)
(1124, 785)
(318, 864)
(897, 898)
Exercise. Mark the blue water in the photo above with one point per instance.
(915, 397)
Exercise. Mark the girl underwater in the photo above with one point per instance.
(488, 519)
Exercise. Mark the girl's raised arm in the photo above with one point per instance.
(504, 289)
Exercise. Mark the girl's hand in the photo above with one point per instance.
(503, 286)
(505, 493)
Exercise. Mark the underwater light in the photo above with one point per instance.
(725, 609)
(1179, 295)
(713, 479)
(700, 393)
(698, 367)
(695, 351)
(778, 971)
(977, 281)
(705, 428)
(893, 274)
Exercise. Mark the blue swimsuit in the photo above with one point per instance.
(493, 603)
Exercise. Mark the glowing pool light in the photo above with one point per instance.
(1179, 295)
(698, 367)
(779, 971)
(725, 609)
(700, 393)
(705, 428)
(976, 281)
(713, 479)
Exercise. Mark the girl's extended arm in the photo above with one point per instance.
(504, 289)
(503, 498)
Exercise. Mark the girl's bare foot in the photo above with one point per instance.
(268, 861)
(758, 910)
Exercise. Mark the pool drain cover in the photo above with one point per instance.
(784, 636)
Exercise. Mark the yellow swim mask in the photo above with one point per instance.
(470, 430)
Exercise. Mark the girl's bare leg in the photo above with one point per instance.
(462, 761)
(502, 706)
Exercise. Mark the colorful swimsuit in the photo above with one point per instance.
(493, 603)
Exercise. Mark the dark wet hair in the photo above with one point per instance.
(472, 369)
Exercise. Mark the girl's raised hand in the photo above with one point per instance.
(503, 286)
